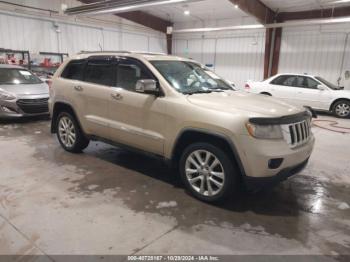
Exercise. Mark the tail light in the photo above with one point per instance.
(247, 86)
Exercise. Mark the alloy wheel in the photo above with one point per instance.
(205, 172)
(66, 131)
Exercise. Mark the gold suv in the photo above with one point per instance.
(217, 137)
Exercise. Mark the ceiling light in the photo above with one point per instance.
(117, 7)
(187, 12)
(236, 6)
(340, 2)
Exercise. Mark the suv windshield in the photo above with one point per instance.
(17, 76)
(190, 78)
(325, 82)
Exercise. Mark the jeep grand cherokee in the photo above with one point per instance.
(176, 109)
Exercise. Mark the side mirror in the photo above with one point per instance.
(147, 86)
(321, 87)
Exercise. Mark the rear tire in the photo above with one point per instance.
(341, 109)
(207, 172)
(69, 133)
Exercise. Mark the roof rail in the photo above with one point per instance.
(121, 51)
(102, 52)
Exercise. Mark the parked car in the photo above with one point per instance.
(21, 93)
(305, 90)
(173, 108)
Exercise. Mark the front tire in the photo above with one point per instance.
(69, 133)
(207, 172)
(341, 109)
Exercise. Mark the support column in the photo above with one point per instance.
(169, 43)
(273, 39)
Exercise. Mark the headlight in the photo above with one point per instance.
(6, 96)
(265, 131)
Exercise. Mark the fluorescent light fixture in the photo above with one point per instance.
(340, 2)
(328, 21)
(107, 7)
(187, 12)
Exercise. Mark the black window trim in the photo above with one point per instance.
(112, 60)
(120, 58)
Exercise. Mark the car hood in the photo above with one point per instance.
(36, 89)
(252, 105)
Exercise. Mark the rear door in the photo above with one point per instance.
(137, 119)
(93, 93)
(283, 87)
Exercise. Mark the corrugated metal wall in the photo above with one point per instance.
(237, 57)
(316, 50)
(35, 35)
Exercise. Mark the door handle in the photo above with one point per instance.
(78, 88)
(117, 96)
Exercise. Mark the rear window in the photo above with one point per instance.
(74, 70)
(17, 76)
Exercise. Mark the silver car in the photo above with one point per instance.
(21, 93)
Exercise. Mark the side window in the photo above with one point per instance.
(290, 81)
(285, 80)
(129, 71)
(99, 72)
(74, 70)
(310, 83)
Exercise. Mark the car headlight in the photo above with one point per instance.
(265, 131)
(6, 96)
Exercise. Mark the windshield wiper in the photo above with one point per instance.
(198, 92)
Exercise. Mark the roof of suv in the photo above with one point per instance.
(144, 55)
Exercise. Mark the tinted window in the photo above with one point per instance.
(15, 76)
(74, 70)
(129, 72)
(310, 83)
(99, 72)
(286, 80)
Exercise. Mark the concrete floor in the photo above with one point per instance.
(111, 201)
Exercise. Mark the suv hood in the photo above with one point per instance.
(36, 89)
(253, 105)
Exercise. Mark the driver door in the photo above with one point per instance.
(137, 119)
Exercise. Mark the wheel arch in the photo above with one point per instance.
(58, 108)
(336, 101)
(265, 93)
(192, 135)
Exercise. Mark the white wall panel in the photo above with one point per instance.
(75, 38)
(25, 33)
(237, 58)
(39, 34)
(314, 51)
(134, 42)
(157, 45)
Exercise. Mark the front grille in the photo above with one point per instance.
(297, 134)
(34, 106)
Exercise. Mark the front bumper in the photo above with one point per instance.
(255, 184)
(24, 107)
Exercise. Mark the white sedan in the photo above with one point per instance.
(305, 90)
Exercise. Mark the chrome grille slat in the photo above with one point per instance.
(297, 134)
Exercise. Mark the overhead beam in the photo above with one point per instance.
(314, 14)
(257, 9)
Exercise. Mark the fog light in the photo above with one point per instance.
(7, 109)
(275, 163)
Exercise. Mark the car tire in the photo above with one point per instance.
(341, 109)
(69, 133)
(198, 178)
